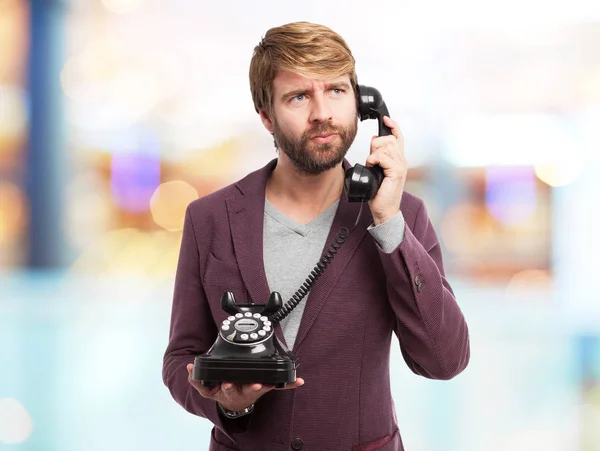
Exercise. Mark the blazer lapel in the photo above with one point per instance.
(246, 218)
(246, 215)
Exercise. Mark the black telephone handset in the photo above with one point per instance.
(246, 349)
(362, 183)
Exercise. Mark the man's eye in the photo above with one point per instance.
(298, 98)
(337, 90)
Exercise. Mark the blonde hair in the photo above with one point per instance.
(304, 48)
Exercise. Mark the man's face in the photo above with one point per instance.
(314, 121)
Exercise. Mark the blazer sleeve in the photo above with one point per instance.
(431, 329)
(192, 332)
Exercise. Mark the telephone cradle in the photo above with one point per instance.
(246, 349)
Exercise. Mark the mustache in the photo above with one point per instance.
(322, 129)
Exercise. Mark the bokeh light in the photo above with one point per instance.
(510, 193)
(134, 179)
(456, 225)
(15, 422)
(13, 112)
(560, 174)
(590, 417)
(12, 211)
(529, 280)
(135, 170)
(169, 202)
(86, 77)
(13, 38)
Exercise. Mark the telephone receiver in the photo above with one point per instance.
(362, 183)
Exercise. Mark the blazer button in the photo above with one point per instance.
(297, 444)
(419, 283)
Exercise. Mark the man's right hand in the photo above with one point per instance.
(236, 396)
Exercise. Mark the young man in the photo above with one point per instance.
(266, 232)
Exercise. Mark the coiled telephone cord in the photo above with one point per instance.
(322, 264)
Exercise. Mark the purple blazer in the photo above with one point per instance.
(343, 343)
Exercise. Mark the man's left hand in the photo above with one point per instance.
(388, 152)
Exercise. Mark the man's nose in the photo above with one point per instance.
(320, 110)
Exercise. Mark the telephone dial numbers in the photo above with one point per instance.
(246, 328)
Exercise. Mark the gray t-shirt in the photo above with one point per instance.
(291, 251)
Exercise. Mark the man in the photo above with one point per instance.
(267, 231)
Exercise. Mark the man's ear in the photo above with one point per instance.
(266, 120)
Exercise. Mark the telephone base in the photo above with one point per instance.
(214, 370)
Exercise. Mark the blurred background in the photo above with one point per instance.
(115, 114)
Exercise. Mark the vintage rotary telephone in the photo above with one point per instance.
(246, 349)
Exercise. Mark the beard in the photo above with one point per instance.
(311, 157)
